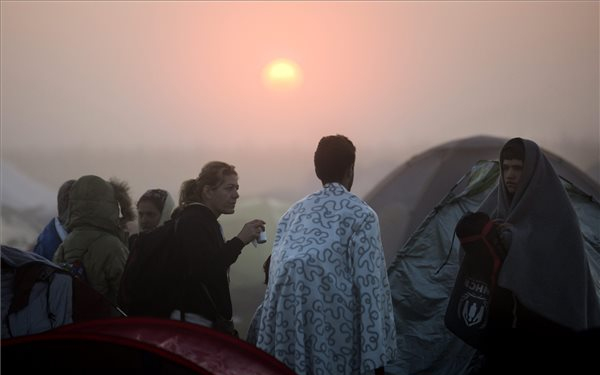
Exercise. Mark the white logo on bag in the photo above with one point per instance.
(477, 287)
(473, 305)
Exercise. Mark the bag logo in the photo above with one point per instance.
(473, 304)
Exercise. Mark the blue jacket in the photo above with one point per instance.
(48, 241)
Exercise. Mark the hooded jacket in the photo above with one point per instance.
(95, 236)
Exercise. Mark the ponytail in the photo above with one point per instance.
(212, 175)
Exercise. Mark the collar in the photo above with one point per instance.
(62, 232)
(334, 186)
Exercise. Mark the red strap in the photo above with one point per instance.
(482, 236)
(486, 229)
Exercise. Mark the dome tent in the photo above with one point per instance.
(404, 198)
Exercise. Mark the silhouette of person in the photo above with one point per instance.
(54, 232)
(96, 211)
(327, 307)
(546, 268)
(205, 257)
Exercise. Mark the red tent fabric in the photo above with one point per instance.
(139, 344)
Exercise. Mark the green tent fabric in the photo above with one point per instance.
(424, 270)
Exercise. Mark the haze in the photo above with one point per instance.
(150, 91)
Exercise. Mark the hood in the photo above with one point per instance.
(92, 202)
(167, 209)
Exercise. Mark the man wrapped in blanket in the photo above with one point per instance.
(328, 308)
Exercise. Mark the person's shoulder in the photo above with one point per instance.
(48, 235)
(194, 210)
(193, 214)
(358, 204)
(303, 201)
(109, 242)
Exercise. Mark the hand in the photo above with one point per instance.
(251, 230)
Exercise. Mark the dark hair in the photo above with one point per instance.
(334, 155)
(62, 200)
(155, 196)
(513, 149)
(211, 175)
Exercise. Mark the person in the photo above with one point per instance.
(154, 208)
(203, 295)
(546, 271)
(97, 210)
(327, 307)
(54, 232)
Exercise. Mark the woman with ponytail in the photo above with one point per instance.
(205, 256)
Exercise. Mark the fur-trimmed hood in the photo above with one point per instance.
(126, 208)
(94, 202)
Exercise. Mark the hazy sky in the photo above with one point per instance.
(100, 79)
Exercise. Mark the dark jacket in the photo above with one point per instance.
(204, 257)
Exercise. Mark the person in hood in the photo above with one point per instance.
(54, 232)
(546, 269)
(96, 213)
(328, 307)
(154, 208)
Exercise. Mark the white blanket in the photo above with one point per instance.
(328, 307)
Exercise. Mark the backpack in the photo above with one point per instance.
(38, 295)
(149, 280)
(477, 308)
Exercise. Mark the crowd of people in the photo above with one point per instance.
(327, 307)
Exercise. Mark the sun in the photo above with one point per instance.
(282, 74)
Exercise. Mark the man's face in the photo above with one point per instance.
(222, 199)
(512, 169)
(148, 215)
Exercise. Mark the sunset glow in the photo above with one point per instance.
(282, 73)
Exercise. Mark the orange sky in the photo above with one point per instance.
(396, 77)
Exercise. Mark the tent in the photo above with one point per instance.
(424, 270)
(405, 197)
(136, 346)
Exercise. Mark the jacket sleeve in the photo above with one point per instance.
(203, 247)
(111, 254)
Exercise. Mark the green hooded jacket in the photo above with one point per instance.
(94, 235)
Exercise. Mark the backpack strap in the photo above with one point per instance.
(76, 267)
(483, 236)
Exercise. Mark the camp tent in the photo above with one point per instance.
(405, 197)
(136, 346)
(424, 270)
